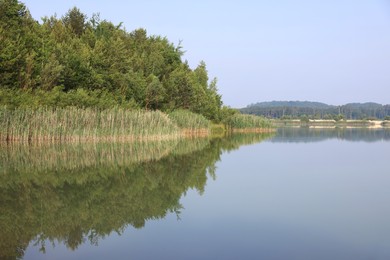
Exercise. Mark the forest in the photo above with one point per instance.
(317, 110)
(80, 61)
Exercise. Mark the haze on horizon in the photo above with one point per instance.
(334, 52)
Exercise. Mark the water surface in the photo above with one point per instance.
(300, 194)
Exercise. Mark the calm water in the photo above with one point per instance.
(300, 194)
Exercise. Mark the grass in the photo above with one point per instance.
(190, 122)
(248, 123)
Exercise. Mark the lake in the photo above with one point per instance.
(297, 194)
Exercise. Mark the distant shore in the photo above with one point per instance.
(322, 123)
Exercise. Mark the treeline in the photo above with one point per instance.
(316, 110)
(90, 62)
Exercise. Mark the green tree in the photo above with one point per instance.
(72, 59)
(155, 93)
(75, 20)
(179, 88)
(18, 35)
(51, 73)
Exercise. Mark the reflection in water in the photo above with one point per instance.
(306, 134)
(78, 193)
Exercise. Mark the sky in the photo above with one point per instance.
(334, 51)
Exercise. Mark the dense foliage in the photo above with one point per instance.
(89, 62)
(316, 110)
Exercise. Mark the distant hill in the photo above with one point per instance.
(298, 109)
(291, 104)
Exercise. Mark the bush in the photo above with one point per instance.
(305, 119)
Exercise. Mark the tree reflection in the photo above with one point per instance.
(73, 194)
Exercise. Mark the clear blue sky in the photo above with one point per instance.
(334, 51)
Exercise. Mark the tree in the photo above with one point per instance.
(179, 88)
(154, 93)
(51, 72)
(12, 15)
(61, 57)
(75, 20)
(18, 48)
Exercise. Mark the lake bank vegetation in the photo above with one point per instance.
(78, 67)
(72, 124)
(248, 123)
(116, 124)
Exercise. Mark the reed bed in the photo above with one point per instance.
(190, 123)
(248, 123)
(75, 124)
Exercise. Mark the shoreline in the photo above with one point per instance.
(182, 134)
(253, 130)
(322, 123)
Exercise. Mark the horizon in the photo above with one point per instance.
(334, 52)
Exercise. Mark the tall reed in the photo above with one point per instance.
(75, 124)
(241, 122)
(189, 121)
